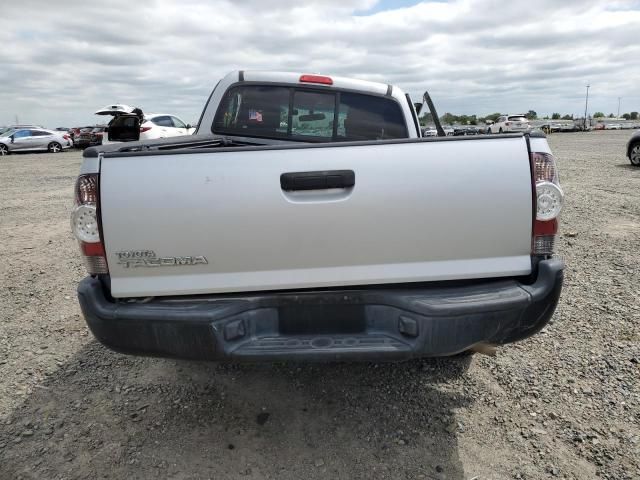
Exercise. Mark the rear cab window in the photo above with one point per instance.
(517, 118)
(307, 114)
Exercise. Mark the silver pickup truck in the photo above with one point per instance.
(307, 219)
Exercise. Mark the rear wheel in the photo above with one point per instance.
(634, 154)
(54, 147)
(500, 131)
(4, 150)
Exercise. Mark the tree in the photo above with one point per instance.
(492, 116)
(555, 116)
(598, 115)
(634, 116)
(567, 117)
(531, 115)
(426, 119)
(448, 118)
(611, 115)
(626, 116)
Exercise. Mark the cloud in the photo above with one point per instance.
(59, 64)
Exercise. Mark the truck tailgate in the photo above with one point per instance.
(219, 221)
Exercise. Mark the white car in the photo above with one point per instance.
(430, 132)
(509, 123)
(153, 125)
(613, 126)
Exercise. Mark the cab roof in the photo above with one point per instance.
(295, 78)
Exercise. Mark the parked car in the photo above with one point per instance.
(23, 140)
(633, 149)
(510, 123)
(75, 132)
(97, 135)
(430, 132)
(253, 241)
(152, 126)
(568, 127)
(466, 130)
(83, 138)
(613, 126)
(558, 127)
(599, 126)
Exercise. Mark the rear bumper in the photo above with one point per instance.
(366, 324)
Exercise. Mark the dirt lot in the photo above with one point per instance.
(564, 404)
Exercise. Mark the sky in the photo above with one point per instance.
(61, 61)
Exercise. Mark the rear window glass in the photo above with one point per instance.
(313, 114)
(307, 115)
(124, 121)
(162, 121)
(517, 118)
(254, 111)
(364, 117)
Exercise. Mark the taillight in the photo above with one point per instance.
(144, 129)
(85, 223)
(65, 136)
(507, 124)
(549, 199)
(316, 79)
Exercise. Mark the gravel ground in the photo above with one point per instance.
(563, 404)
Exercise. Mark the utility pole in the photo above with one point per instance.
(618, 107)
(586, 103)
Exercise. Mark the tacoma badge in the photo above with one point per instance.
(148, 258)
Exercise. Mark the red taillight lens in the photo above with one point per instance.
(87, 189)
(85, 223)
(549, 199)
(65, 136)
(316, 79)
(144, 129)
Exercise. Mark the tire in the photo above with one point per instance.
(634, 154)
(4, 150)
(54, 147)
(500, 131)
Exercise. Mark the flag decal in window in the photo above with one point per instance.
(255, 115)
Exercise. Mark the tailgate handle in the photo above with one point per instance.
(321, 180)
